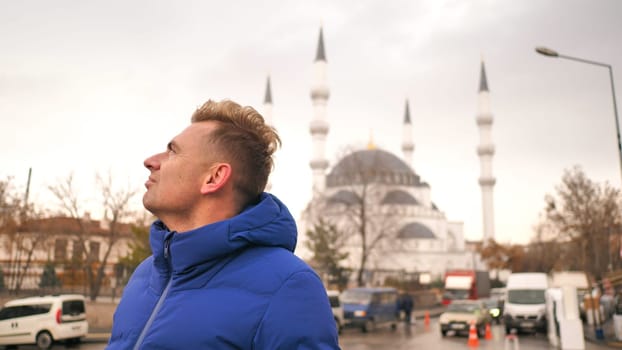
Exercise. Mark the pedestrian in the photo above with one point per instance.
(222, 274)
(407, 307)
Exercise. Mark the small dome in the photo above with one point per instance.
(399, 197)
(417, 231)
(372, 166)
(344, 197)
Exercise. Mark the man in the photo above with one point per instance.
(406, 305)
(222, 274)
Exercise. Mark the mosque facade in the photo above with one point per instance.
(381, 207)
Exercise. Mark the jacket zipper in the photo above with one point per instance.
(154, 312)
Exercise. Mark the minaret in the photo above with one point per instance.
(485, 151)
(319, 126)
(407, 138)
(267, 114)
(267, 104)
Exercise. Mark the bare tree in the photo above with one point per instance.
(498, 256)
(585, 218)
(21, 241)
(355, 205)
(116, 205)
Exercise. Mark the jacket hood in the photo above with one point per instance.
(268, 223)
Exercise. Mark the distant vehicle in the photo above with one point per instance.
(525, 304)
(43, 320)
(495, 309)
(335, 305)
(461, 313)
(466, 285)
(498, 293)
(369, 308)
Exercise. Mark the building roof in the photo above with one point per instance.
(415, 230)
(344, 197)
(67, 225)
(399, 197)
(372, 166)
(268, 97)
(483, 82)
(320, 54)
(407, 114)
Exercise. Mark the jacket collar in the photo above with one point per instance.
(267, 223)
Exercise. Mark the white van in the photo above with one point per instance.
(43, 320)
(525, 302)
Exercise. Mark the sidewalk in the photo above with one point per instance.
(608, 334)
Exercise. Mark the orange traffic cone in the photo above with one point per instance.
(473, 340)
(488, 332)
(426, 319)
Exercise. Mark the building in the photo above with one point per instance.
(380, 203)
(67, 244)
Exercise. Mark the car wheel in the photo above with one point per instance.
(338, 325)
(443, 333)
(44, 340)
(368, 326)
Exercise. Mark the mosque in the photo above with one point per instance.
(384, 210)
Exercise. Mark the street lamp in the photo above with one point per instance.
(552, 53)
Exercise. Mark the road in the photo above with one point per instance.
(414, 337)
(418, 337)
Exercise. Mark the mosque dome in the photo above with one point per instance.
(416, 230)
(372, 166)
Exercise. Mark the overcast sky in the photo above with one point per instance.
(97, 86)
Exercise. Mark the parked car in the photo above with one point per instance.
(368, 308)
(335, 304)
(43, 320)
(461, 313)
(495, 308)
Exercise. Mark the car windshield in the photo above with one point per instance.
(456, 294)
(526, 296)
(355, 297)
(462, 308)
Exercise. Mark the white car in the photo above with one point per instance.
(43, 320)
(335, 304)
(461, 313)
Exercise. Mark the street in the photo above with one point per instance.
(413, 337)
(417, 337)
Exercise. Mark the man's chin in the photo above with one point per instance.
(148, 204)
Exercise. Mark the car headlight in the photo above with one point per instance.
(360, 313)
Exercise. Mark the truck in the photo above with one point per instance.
(466, 284)
(525, 302)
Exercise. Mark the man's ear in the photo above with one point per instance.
(216, 178)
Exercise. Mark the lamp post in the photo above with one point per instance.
(552, 53)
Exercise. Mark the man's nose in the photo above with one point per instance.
(153, 162)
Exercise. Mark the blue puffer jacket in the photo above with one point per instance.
(233, 284)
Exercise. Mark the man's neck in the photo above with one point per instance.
(198, 219)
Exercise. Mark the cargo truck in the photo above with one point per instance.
(466, 284)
